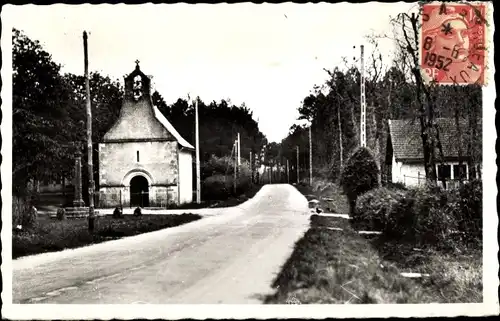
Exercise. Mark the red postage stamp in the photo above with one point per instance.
(453, 43)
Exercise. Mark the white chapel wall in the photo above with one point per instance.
(159, 159)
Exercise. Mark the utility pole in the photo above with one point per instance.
(298, 165)
(251, 169)
(235, 167)
(239, 151)
(287, 172)
(198, 179)
(89, 135)
(363, 102)
(310, 157)
(270, 173)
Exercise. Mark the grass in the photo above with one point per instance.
(52, 235)
(329, 266)
(455, 275)
(229, 202)
(335, 201)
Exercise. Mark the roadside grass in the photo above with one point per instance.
(457, 276)
(51, 235)
(330, 266)
(328, 194)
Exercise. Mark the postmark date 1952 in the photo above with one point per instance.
(453, 43)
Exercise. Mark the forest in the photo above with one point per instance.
(394, 90)
(49, 119)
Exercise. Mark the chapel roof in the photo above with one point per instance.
(157, 113)
(171, 129)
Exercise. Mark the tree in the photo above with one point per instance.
(106, 99)
(409, 49)
(359, 175)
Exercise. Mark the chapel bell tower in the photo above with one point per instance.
(137, 85)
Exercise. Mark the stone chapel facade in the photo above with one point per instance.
(143, 161)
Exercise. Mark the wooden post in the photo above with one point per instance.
(239, 151)
(91, 217)
(340, 138)
(251, 169)
(235, 167)
(287, 172)
(198, 179)
(363, 102)
(298, 166)
(310, 157)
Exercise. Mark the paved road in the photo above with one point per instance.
(232, 257)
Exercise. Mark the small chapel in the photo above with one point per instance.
(143, 161)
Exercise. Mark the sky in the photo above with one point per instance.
(268, 56)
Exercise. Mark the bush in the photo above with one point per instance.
(423, 216)
(469, 210)
(138, 212)
(419, 216)
(359, 175)
(217, 187)
(221, 187)
(117, 213)
(397, 185)
(374, 207)
(217, 166)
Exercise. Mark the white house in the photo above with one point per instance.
(405, 159)
(143, 161)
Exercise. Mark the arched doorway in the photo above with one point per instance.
(139, 191)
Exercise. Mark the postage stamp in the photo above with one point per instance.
(453, 43)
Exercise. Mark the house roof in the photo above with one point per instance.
(170, 128)
(407, 142)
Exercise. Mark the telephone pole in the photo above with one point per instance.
(340, 137)
(235, 167)
(89, 135)
(287, 172)
(298, 165)
(310, 157)
(251, 169)
(198, 182)
(363, 102)
(239, 151)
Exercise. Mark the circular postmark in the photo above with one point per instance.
(452, 43)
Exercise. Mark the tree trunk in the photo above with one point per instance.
(459, 133)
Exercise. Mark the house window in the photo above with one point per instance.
(460, 172)
(137, 156)
(444, 172)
